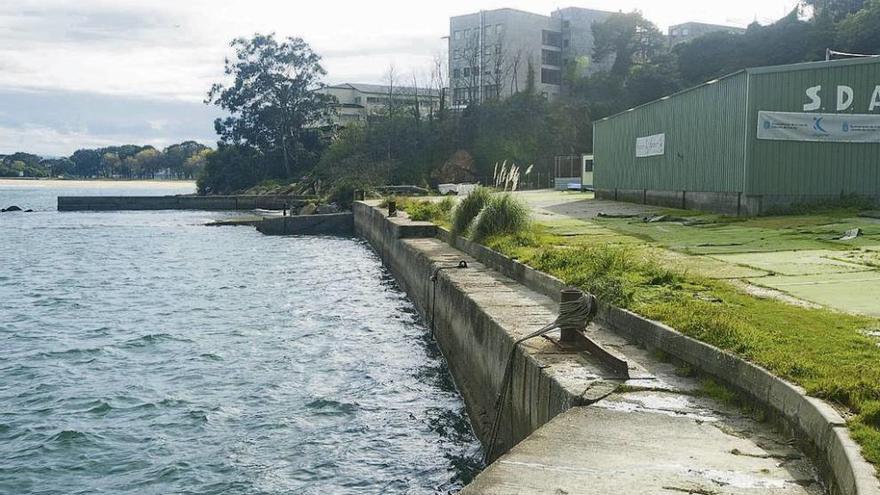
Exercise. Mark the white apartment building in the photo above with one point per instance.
(494, 53)
(357, 102)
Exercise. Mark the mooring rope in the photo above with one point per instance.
(577, 313)
(434, 276)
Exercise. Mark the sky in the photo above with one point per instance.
(88, 73)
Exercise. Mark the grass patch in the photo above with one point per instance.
(714, 234)
(468, 209)
(428, 211)
(502, 214)
(851, 202)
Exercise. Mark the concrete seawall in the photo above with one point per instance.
(327, 224)
(468, 309)
(240, 202)
(572, 425)
(820, 429)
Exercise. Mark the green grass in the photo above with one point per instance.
(467, 210)
(715, 234)
(502, 214)
(427, 211)
(821, 350)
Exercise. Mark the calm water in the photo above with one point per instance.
(141, 352)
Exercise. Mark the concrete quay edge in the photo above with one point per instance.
(809, 418)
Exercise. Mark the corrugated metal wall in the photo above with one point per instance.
(705, 131)
(809, 168)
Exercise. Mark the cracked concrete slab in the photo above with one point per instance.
(612, 451)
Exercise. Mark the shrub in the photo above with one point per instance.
(503, 214)
(428, 211)
(342, 192)
(468, 209)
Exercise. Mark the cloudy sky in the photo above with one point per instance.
(85, 73)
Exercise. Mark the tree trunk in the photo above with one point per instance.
(284, 152)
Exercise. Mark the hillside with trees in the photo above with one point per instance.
(273, 133)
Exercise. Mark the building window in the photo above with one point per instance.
(551, 76)
(357, 100)
(551, 57)
(456, 73)
(457, 36)
(551, 38)
(458, 96)
(565, 43)
(491, 91)
(467, 72)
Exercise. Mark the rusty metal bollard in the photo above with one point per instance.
(570, 334)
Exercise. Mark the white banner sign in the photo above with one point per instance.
(830, 127)
(651, 145)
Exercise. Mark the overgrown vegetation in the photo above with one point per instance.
(822, 350)
(503, 214)
(468, 209)
(438, 212)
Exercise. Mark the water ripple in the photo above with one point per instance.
(143, 353)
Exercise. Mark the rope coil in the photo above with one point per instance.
(577, 313)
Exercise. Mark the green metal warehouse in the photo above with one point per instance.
(750, 142)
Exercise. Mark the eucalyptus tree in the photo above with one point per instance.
(273, 100)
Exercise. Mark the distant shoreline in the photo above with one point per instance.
(78, 179)
(97, 183)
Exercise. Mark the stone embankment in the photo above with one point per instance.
(572, 425)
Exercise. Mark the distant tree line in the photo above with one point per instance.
(185, 160)
(274, 130)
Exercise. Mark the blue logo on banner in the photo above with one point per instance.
(766, 124)
(817, 125)
(846, 127)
